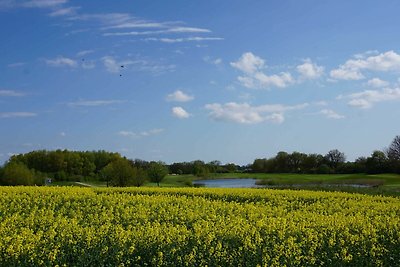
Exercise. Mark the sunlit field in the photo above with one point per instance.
(70, 226)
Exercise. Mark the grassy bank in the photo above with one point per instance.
(386, 184)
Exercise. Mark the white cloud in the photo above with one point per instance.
(186, 39)
(31, 3)
(217, 61)
(179, 96)
(120, 21)
(351, 69)
(252, 66)
(17, 114)
(61, 61)
(360, 103)
(310, 70)
(249, 63)
(109, 19)
(84, 53)
(63, 134)
(111, 64)
(366, 54)
(376, 82)
(134, 23)
(11, 93)
(88, 65)
(247, 114)
(279, 80)
(346, 73)
(68, 11)
(277, 118)
(366, 99)
(331, 114)
(93, 103)
(141, 134)
(180, 113)
(114, 66)
(38, 3)
(154, 32)
(210, 60)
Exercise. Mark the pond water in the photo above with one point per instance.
(227, 183)
(251, 183)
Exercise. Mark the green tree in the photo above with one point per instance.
(377, 162)
(258, 165)
(231, 167)
(334, 158)
(311, 163)
(16, 173)
(140, 178)
(1, 175)
(119, 173)
(296, 160)
(157, 171)
(282, 161)
(360, 165)
(393, 153)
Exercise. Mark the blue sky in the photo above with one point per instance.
(211, 80)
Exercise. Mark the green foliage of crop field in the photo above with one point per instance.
(68, 226)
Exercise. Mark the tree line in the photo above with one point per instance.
(387, 161)
(63, 165)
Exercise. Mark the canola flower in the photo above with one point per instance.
(66, 226)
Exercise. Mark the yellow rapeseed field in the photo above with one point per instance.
(66, 226)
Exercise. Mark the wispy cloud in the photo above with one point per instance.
(32, 3)
(88, 64)
(366, 99)
(330, 114)
(114, 66)
(214, 61)
(180, 113)
(16, 65)
(179, 96)
(253, 76)
(187, 39)
(106, 19)
(84, 53)
(244, 113)
(67, 11)
(154, 32)
(141, 134)
(43, 3)
(61, 61)
(17, 114)
(140, 24)
(94, 103)
(78, 31)
(352, 68)
(11, 93)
